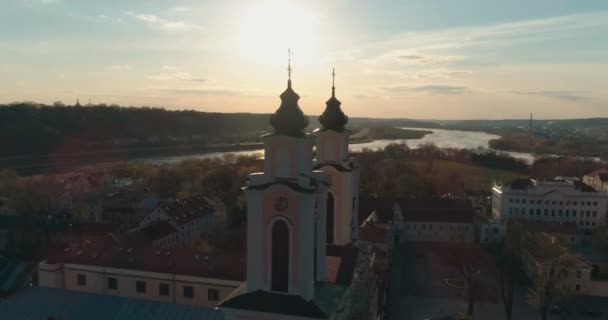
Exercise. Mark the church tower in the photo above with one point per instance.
(286, 251)
(332, 157)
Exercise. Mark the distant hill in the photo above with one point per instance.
(36, 129)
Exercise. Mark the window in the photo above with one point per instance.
(574, 213)
(188, 292)
(81, 279)
(163, 289)
(140, 286)
(546, 212)
(546, 201)
(578, 287)
(578, 274)
(213, 295)
(561, 203)
(511, 200)
(574, 203)
(594, 213)
(523, 200)
(595, 203)
(112, 283)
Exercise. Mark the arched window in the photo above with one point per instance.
(280, 257)
(330, 218)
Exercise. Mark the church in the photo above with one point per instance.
(304, 260)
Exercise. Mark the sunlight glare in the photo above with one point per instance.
(266, 30)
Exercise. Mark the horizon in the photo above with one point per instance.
(483, 60)
(101, 104)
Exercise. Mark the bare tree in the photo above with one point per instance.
(551, 262)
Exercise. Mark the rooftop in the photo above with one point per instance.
(437, 210)
(131, 253)
(42, 303)
(186, 210)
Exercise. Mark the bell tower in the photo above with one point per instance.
(332, 157)
(286, 250)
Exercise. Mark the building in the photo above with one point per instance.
(558, 200)
(292, 271)
(190, 217)
(587, 275)
(597, 179)
(126, 268)
(333, 159)
(437, 220)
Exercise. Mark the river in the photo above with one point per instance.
(440, 137)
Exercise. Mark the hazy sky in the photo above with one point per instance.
(445, 59)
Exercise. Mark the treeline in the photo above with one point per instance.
(573, 144)
(31, 129)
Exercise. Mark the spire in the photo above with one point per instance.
(333, 82)
(289, 68)
(333, 118)
(289, 118)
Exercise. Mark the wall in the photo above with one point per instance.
(438, 232)
(65, 276)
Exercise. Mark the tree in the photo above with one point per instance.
(551, 264)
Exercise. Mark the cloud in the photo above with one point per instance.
(176, 76)
(205, 91)
(422, 59)
(163, 24)
(429, 89)
(169, 68)
(557, 94)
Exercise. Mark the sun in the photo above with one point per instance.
(266, 30)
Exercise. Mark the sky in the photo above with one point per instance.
(421, 59)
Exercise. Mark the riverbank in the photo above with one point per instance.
(572, 146)
(65, 161)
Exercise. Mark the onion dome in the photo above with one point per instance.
(333, 118)
(289, 118)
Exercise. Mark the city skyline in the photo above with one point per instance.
(418, 59)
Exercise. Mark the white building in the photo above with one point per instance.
(597, 179)
(558, 200)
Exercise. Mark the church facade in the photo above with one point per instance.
(302, 230)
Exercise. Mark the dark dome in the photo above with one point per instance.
(289, 118)
(333, 118)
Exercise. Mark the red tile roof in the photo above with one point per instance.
(118, 253)
(437, 210)
(372, 233)
(186, 210)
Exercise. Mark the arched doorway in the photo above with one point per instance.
(330, 218)
(280, 257)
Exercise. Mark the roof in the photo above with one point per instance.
(372, 233)
(348, 260)
(69, 305)
(601, 173)
(158, 230)
(383, 208)
(131, 253)
(186, 210)
(521, 183)
(278, 303)
(453, 210)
